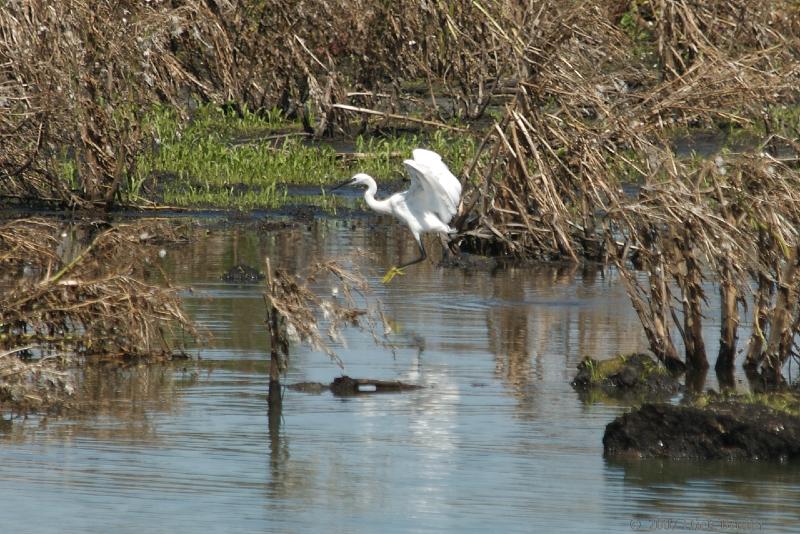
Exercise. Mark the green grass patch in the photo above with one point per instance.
(244, 161)
(598, 371)
(784, 119)
(787, 402)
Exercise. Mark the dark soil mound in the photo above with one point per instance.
(724, 430)
(626, 375)
(243, 274)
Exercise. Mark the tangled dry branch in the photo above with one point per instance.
(298, 312)
(78, 292)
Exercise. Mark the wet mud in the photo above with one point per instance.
(724, 430)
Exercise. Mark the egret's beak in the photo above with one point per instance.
(346, 182)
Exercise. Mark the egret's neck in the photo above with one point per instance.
(381, 206)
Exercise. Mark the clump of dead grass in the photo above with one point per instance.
(80, 293)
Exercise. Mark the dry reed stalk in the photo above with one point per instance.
(76, 76)
(590, 113)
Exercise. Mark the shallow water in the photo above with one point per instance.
(495, 441)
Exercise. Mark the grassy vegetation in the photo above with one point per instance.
(624, 379)
(784, 120)
(245, 161)
(601, 370)
(781, 401)
(643, 40)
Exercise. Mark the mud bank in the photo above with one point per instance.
(721, 430)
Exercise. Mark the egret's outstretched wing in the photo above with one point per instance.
(433, 186)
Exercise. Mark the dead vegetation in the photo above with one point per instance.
(77, 77)
(298, 312)
(594, 114)
(75, 294)
(579, 164)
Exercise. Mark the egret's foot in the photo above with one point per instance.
(391, 273)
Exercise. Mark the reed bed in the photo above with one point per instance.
(576, 105)
(581, 167)
(79, 78)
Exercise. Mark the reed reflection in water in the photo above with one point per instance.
(496, 440)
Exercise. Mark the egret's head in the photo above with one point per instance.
(358, 179)
(361, 179)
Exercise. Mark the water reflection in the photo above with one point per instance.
(507, 327)
(668, 489)
(497, 440)
(123, 398)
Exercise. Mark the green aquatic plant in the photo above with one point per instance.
(600, 370)
(244, 160)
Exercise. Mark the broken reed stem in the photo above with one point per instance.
(426, 122)
(779, 344)
(729, 314)
(274, 395)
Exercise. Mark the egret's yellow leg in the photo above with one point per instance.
(391, 273)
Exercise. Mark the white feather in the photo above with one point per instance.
(434, 189)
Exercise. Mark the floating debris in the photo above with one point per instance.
(243, 274)
(344, 385)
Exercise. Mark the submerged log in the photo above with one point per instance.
(344, 385)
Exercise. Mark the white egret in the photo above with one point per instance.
(428, 206)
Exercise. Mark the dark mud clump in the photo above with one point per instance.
(471, 262)
(243, 274)
(628, 375)
(725, 430)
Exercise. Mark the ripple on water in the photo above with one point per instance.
(495, 441)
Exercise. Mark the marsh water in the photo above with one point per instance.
(495, 441)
